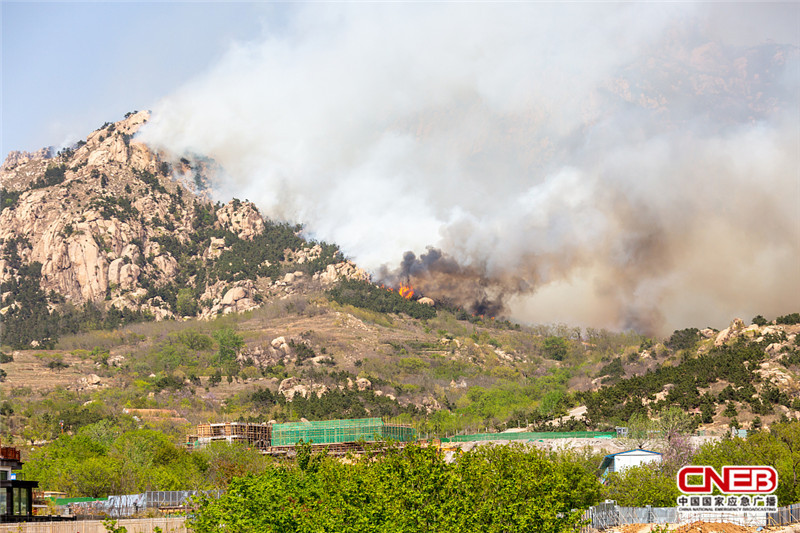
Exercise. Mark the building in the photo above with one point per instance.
(16, 498)
(617, 462)
(256, 435)
(334, 436)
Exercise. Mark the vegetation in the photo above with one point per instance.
(792, 318)
(368, 296)
(103, 458)
(492, 489)
(54, 175)
(30, 322)
(735, 363)
(654, 484)
(8, 199)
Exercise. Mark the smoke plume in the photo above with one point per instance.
(607, 165)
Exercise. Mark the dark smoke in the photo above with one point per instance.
(641, 175)
(438, 276)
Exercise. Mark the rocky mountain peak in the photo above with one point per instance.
(106, 223)
(16, 158)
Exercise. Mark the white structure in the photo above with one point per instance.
(617, 462)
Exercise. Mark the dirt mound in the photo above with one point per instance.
(712, 527)
(635, 528)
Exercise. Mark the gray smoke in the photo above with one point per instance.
(626, 165)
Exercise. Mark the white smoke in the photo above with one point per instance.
(604, 165)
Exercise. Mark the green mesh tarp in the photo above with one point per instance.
(525, 435)
(338, 431)
(67, 501)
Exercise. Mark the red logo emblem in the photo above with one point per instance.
(734, 479)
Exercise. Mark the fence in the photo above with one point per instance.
(609, 514)
(131, 504)
(135, 525)
(532, 435)
(784, 515)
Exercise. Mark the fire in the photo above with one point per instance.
(406, 291)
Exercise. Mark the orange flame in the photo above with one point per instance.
(406, 291)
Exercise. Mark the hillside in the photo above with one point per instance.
(125, 287)
(107, 233)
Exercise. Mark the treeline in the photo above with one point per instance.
(30, 321)
(336, 403)
(654, 484)
(368, 296)
(103, 459)
(491, 489)
(39, 317)
(733, 363)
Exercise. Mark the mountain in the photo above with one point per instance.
(125, 288)
(107, 226)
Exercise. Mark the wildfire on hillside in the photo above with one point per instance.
(406, 291)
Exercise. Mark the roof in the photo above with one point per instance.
(608, 459)
(634, 450)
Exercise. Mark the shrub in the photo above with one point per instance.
(684, 339)
(368, 296)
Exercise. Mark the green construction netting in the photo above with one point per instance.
(67, 501)
(541, 435)
(338, 431)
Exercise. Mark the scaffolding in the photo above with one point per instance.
(257, 435)
(340, 432)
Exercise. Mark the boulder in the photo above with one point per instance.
(233, 295)
(730, 332)
(167, 265)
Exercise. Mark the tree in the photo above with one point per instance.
(638, 486)
(229, 344)
(684, 339)
(640, 428)
(556, 348)
(227, 461)
(674, 421)
(491, 488)
(186, 302)
(778, 447)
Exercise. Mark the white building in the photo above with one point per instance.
(617, 462)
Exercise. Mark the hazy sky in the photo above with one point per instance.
(69, 67)
(601, 164)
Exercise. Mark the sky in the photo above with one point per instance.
(628, 165)
(67, 68)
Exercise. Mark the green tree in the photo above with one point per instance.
(226, 461)
(186, 302)
(556, 348)
(640, 429)
(491, 489)
(229, 344)
(779, 447)
(674, 421)
(638, 486)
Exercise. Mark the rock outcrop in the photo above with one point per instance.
(110, 224)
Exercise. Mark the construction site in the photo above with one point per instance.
(335, 436)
